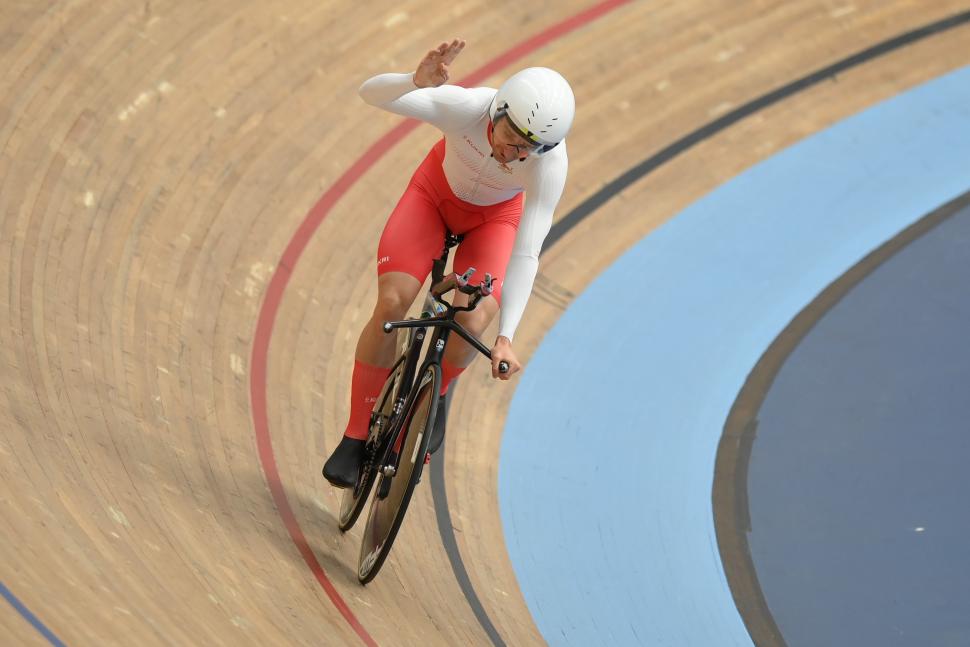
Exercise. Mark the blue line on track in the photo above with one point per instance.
(29, 617)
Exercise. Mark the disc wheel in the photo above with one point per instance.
(387, 512)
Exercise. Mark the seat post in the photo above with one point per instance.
(438, 267)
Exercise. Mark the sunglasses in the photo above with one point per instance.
(534, 146)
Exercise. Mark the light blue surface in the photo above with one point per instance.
(608, 454)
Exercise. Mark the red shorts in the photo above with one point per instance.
(415, 232)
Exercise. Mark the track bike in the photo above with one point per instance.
(403, 418)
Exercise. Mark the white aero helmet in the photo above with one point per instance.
(539, 103)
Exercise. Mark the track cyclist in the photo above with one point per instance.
(495, 178)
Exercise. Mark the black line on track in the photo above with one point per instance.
(652, 163)
(732, 521)
(611, 190)
(447, 532)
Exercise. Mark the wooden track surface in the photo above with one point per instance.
(156, 159)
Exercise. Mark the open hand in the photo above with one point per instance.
(433, 69)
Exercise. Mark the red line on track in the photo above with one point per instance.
(292, 253)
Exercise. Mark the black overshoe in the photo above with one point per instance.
(343, 466)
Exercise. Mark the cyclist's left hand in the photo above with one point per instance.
(432, 71)
(502, 351)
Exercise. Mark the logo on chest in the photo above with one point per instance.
(472, 144)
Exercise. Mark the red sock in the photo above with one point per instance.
(365, 386)
(448, 373)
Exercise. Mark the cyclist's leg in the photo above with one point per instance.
(412, 237)
(396, 292)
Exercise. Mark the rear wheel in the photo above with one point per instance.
(387, 512)
(353, 499)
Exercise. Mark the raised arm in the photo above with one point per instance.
(423, 95)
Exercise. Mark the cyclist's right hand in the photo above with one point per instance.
(433, 69)
(502, 352)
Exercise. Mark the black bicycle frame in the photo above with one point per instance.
(444, 324)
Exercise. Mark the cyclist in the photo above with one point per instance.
(496, 178)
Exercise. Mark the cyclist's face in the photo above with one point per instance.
(508, 145)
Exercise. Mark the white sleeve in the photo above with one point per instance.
(541, 198)
(447, 107)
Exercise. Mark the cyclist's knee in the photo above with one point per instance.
(477, 320)
(391, 306)
(395, 296)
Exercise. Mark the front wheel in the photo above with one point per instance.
(353, 499)
(387, 512)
